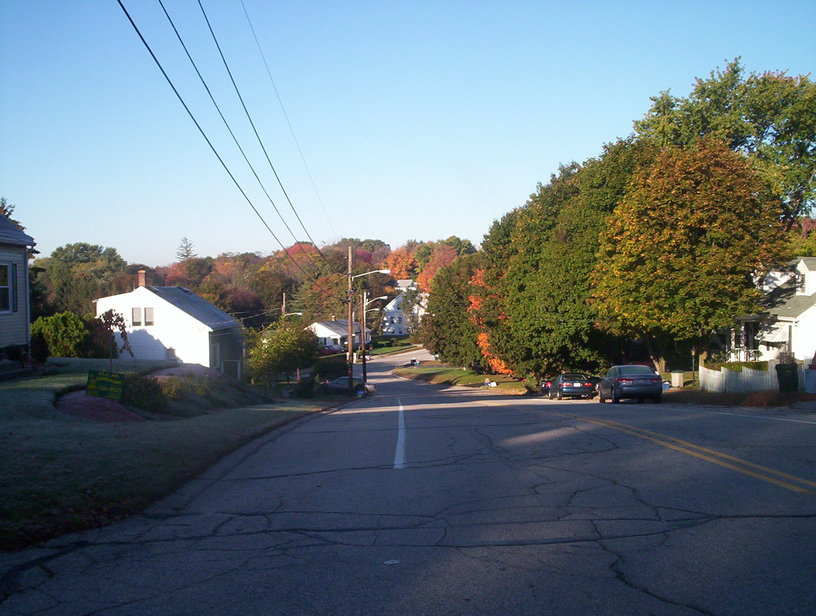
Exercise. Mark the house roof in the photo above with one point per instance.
(340, 327)
(11, 234)
(197, 307)
(810, 262)
(784, 303)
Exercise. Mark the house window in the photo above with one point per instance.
(8, 288)
(136, 318)
(148, 316)
(5, 287)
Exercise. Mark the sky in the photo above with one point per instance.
(397, 121)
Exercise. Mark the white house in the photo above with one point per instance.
(15, 302)
(336, 332)
(175, 323)
(789, 324)
(395, 322)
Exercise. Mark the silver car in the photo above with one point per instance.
(631, 381)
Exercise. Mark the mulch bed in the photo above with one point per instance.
(78, 404)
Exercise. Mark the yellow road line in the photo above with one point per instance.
(710, 455)
(610, 423)
(714, 457)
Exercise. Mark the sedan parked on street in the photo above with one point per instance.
(572, 385)
(631, 381)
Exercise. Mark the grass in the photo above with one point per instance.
(60, 474)
(389, 350)
(442, 374)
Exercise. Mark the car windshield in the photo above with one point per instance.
(630, 370)
(574, 376)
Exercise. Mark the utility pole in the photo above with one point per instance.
(363, 332)
(283, 305)
(350, 356)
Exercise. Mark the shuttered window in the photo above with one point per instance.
(6, 287)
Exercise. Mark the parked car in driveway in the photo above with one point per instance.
(330, 349)
(340, 386)
(630, 381)
(572, 385)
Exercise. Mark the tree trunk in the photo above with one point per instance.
(657, 360)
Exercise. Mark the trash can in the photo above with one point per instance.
(788, 377)
(677, 377)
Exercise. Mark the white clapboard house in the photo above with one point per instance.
(175, 323)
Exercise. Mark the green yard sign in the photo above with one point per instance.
(105, 384)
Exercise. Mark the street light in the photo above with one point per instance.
(350, 293)
(363, 328)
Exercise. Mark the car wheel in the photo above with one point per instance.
(640, 400)
(615, 397)
(559, 395)
(601, 397)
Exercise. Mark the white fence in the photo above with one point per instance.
(732, 381)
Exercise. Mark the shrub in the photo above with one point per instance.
(39, 348)
(13, 352)
(737, 366)
(305, 388)
(330, 368)
(171, 387)
(64, 332)
(144, 392)
(532, 384)
(99, 342)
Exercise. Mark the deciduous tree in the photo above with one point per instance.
(770, 117)
(680, 254)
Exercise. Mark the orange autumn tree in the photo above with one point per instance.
(476, 313)
(402, 263)
(442, 256)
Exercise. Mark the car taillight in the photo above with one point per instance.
(655, 379)
(587, 384)
(625, 381)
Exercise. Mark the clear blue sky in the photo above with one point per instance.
(418, 120)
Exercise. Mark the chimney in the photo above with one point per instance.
(140, 278)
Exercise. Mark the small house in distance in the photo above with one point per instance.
(14, 295)
(175, 323)
(335, 333)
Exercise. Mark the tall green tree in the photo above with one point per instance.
(447, 329)
(76, 274)
(770, 117)
(551, 323)
(680, 255)
(284, 347)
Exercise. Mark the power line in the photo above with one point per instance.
(255, 130)
(209, 143)
(229, 128)
(286, 116)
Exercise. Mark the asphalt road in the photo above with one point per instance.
(426, 500)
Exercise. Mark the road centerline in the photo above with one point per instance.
(399, 453)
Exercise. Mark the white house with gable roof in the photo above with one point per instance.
(788, 324)
(175, 323)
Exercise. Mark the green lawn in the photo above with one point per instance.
(442, 374)
(59, 473)
(388, 350)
